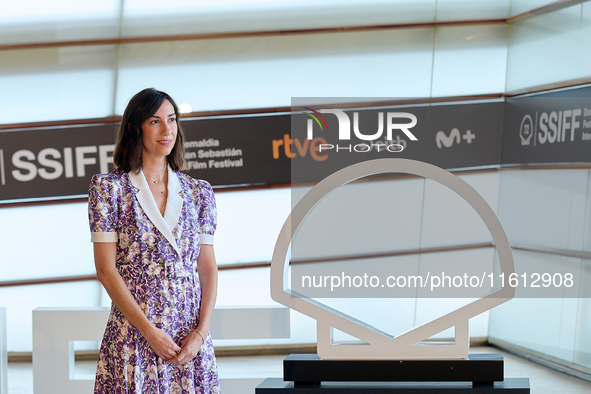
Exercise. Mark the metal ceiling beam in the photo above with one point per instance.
(243, 34)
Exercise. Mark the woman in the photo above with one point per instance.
(152, 229)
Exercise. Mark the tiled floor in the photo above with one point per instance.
(542, 380)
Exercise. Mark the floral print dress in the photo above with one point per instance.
(157, 259)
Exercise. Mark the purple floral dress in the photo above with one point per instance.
(157, 259)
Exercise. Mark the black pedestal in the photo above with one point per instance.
(307, 369)
(509, 385)
(308, 374)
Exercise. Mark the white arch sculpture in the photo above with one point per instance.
(379, 345)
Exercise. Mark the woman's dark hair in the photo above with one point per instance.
(128, 141)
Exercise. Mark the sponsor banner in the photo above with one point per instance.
(57, 162)
(323, 141)
(53, 163)
(548, 128)
(236, 151)
(50, 163)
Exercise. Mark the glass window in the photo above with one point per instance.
(45, 241)
(29, 21)
(545, 207)
(547, 49)
(455, 10)
(268, 71)
(57, 83)
(469, 60)
(153, 17)
(20, 302)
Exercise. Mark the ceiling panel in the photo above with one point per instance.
(27, 21)
(149, 17)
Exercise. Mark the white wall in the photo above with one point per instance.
(96, 81)
(547, 208)
(550, 48)
(249, 223)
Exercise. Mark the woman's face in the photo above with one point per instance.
(159, 132)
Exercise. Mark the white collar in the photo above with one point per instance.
(174, 204)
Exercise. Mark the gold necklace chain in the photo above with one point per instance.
(155, 179)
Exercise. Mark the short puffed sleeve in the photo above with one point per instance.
(207, 212)
(102, 208)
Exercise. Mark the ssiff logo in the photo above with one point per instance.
(555, 126)
(526, 130)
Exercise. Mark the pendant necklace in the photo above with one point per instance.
(156, 179)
